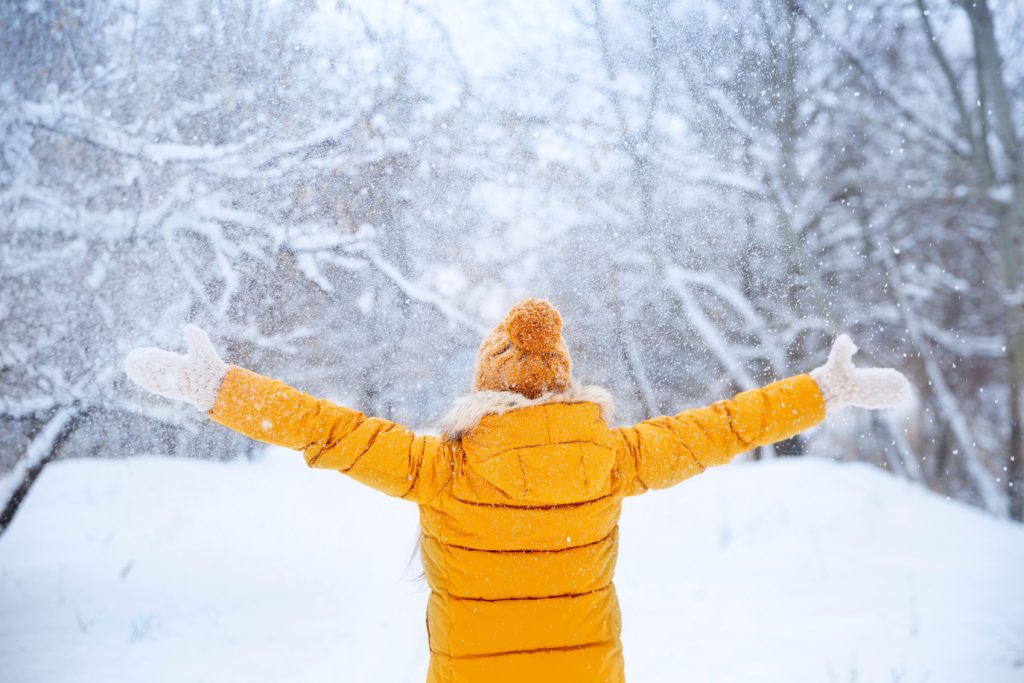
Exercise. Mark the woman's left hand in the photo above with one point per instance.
(844, 384)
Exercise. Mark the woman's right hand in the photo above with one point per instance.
(194, 377)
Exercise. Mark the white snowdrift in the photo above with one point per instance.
(166, 570)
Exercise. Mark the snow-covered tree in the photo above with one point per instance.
(347, 193)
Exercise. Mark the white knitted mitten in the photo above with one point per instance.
(842, 384)
(194, 377)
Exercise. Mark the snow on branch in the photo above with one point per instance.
(419, 292)
(753, 321)
(314, 244)
(713, 339)
(74, 121)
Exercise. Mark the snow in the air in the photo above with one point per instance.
(347, 195)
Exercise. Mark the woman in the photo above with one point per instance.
(520, 494)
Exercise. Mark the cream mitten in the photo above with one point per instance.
(194, 377)
(842, 384)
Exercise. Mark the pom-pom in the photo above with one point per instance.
(534, 325)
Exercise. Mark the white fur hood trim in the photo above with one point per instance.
(467, 411)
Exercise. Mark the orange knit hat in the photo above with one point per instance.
(525, 352)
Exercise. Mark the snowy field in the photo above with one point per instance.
(166, 570)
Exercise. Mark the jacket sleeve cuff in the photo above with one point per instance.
(809, 399)
(262, 408)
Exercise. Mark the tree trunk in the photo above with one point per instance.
(41, 450)
(990, 67)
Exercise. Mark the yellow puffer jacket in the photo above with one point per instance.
(519, 507)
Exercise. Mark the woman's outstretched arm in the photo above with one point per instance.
(376, 452)
(663, 451)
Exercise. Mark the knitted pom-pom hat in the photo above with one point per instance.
(525, 353)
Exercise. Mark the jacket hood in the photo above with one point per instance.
(466, 411)
(519, 452)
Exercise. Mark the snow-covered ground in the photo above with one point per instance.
(167, 570)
